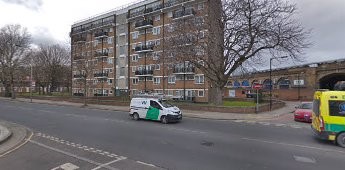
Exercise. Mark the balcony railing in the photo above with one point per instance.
(101, 75)
(79, 76)
(144, 49)
(170, 3)
(144, 73)
(187, 70)
(79, 39)
(144, 24)
(101, 54)
(101, 34)
(184, 14)
(78, 57)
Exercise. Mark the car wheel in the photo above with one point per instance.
(136, 116)
(164, 120)
(341, 140)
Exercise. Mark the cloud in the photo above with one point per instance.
(41, 35)
(31, 4)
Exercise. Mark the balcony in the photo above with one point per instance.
(79, 39)
(144, 49)
(101, 54)
(183, 14)
(79, 76)
(144, 24)
(144, 73)
(187, 70)
(78, 57)
(171, 3)
(101, 75)
(101, 35)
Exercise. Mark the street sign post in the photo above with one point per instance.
(257, 87)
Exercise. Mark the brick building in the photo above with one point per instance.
(125, 51)
(289, 83)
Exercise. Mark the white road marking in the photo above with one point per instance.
(293, 145)
(279, 124)
(67, 166)
(146, 164)
(106, 164)
(304, 159)
(72, 155)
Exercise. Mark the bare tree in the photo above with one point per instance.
(84, 67)
(237, 31)
(14, 44)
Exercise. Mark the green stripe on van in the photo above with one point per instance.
(334, 127)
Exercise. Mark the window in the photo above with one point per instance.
(123, 50)
(156, 56)
(110, 81)
(135, 35)
(95, 43)
(171, 79)
(200, 6)
(199, 79)
(157, 17)
(110, 40)
(111, 50)
(135, 81)
(316, 107)
(134, 68)
(156, 30)
(337, 108)
(122, 71)
(170, 14)
(156, 80)
(201, 93)
(155, 105)
(158, 42)
(135, 58)
(110, 61)
(157, 67)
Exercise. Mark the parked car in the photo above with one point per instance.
(303, 112)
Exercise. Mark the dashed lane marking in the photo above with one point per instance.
(79, 146)
(272, 124)
(72, 155)
(146, 164)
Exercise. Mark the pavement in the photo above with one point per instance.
(263, 116)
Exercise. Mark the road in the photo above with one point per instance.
(80, 138)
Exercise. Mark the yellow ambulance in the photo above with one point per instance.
(328, 118)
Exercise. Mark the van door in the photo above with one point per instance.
(153, 111)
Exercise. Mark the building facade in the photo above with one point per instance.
(290, 83)
(126, 50)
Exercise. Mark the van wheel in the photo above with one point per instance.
(341, 140)
(135, 116)
(164, 120)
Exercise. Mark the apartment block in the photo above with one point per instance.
(128, 50)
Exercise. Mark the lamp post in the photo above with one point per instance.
(31, 81)
(298, 85)
(271, 78)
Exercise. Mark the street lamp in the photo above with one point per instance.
(299, 84)
(271, 78)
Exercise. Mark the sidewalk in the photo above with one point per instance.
(290, 106)
(12, 136)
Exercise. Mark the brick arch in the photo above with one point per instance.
(283, 83)
(329, 81)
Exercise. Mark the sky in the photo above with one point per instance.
(51, 20)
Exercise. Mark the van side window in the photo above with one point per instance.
(155, 104)
(337, 108)
(316, 107)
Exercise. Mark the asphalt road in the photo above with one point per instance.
(96, 139)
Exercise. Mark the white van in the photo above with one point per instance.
(154, 109)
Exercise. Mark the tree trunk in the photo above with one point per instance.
(215, 95)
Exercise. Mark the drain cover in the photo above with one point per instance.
(207, 143)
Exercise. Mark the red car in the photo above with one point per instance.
(303, 112)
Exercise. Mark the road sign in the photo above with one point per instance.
(257, 86)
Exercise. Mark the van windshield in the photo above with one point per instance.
(165, 104)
